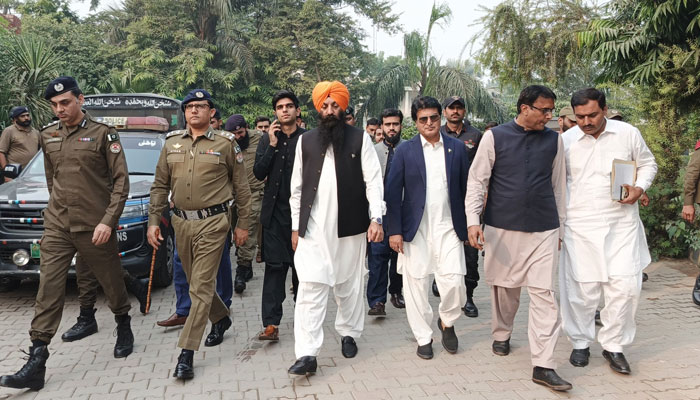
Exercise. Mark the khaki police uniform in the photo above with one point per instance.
(88, 182)
(246, 253)
(19, 144)
(203, 175)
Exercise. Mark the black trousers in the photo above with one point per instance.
(275, 291)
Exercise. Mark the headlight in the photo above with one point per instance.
(20, 257)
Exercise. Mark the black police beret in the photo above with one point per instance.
(197, 94)
(60, 85)
(235, 122)
(17, 111)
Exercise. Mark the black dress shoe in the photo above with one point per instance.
(349, 348)
(216, 336)
(470, 309)
(449, 338)
(425, 351)
(84, 327)
(645, 277)
(696, 292)
(501, 348)
(579, 357)
(398, 301)
(32, 374)
(548, 377)
(377, 310)
(436, 292)
(618, 362)
(304, 366)
(185, 367)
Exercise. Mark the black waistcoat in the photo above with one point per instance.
(521, 197)
(353, 207)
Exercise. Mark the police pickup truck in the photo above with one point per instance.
(23, 199)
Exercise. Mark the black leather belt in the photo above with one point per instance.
(201, 214)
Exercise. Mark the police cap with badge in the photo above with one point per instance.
(196, 95)
(60, 85)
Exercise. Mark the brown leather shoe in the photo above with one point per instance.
(173, 320)
(271, 332)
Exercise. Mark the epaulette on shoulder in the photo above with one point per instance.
(50, 124)
(174, 133)
(227, 135)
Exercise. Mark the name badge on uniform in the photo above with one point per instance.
(86, 139)
(56, 139)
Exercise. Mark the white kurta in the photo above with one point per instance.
(602, 237)
(436, 249)
(324, 261)
(605, 248)
(320, 255)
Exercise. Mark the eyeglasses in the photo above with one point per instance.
(544, 111)
(198, 107)
(433, 118)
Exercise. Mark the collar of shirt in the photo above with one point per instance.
(424, 143)
(464, 128)
(83, 124)
(23, 129)
(209, 134)
(610, 127)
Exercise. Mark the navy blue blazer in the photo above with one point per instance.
(404, 192)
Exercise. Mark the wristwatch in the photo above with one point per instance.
(377, 220)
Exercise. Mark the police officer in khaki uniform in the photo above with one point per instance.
(248, 141)
(88, 183)
(203, 169)
(19, 142)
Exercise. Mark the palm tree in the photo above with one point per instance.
(32, 65)
(420, 70)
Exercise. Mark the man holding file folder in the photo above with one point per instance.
(604, 248)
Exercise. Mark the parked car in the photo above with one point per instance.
(23, 199)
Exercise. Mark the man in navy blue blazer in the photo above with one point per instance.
(427, 225)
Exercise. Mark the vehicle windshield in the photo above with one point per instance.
(141, 156)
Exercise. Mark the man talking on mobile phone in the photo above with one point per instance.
(274, 160)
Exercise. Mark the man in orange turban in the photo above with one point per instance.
(335, 90)
(336, 179)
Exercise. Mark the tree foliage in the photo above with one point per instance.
(420, 70)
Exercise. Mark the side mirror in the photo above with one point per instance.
(12, 171)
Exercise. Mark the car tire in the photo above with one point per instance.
(165, 256)
(8, 283)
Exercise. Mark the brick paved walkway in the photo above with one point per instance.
(665, 357)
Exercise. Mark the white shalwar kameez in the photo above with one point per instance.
(324, 261)
(435, 249)
(604, 248)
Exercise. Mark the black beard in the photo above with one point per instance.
(244, 142)
(24, 123)
(393, 140)
(332, 130)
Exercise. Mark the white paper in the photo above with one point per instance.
(624, 173)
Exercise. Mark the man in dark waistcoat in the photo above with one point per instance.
(274, 159)
(336, 189)
(522, 164)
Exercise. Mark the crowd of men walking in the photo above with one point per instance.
(323, 202)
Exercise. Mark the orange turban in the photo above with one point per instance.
(335, 90)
